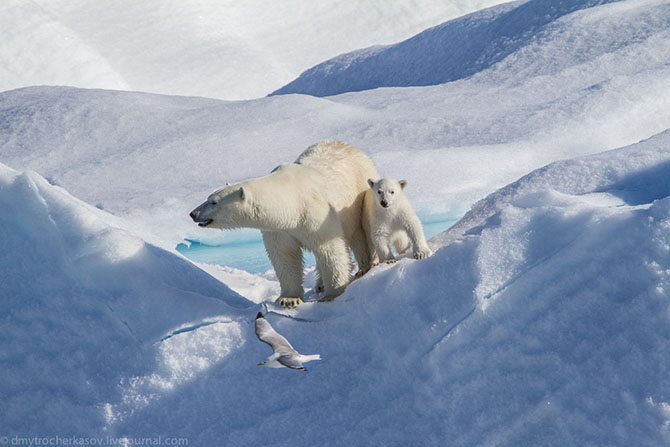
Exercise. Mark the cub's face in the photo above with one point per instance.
(386, 191)
(227, 208)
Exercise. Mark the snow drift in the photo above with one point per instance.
(530, 31)
(88, 307)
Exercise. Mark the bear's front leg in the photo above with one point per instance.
(285, 254)
(415, 232)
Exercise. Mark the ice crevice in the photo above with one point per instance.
(194, 327)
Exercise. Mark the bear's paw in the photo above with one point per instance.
(423, 253)
(289, 302)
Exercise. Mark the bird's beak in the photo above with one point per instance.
(260, 364)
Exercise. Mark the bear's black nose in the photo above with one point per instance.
(384, 203)
(194, 215)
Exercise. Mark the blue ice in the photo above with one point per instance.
(244, 249)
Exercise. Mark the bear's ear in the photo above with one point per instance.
(243, 194)
(403, 183)
(371, 182)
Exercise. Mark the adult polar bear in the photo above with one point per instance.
(314, 203)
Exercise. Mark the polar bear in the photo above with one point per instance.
(314, 203)
(390, 222)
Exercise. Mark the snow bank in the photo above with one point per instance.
(539, 37)
(632, 175)
(230, 50)
(88, 308)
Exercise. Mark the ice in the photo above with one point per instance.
(245, 250)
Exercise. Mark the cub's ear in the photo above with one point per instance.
(403, 183)
(243, 194)
(371, 182)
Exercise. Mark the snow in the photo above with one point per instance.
(529, 32)
(84, 300)
(542, 318)
(226, 49)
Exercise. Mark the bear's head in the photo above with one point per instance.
(386, 190)
(227, 208)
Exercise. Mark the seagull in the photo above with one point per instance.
(284, 354)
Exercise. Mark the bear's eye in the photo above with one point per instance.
(392, 192)
(379, 192)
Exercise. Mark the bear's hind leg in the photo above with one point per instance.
(334, 264)
(359, 246)
(382, 247)
(285, 254)
(401, 242)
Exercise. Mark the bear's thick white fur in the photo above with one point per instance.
(390, 222)
(314, 203)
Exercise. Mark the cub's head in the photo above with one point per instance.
(386, 190)
(227, 208)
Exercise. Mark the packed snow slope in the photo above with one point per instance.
(544, 319)
(224, 49)
(86, 309)
(526, 34)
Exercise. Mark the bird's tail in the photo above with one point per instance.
(309, 358)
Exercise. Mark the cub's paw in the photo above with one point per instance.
(361, 272)
(390, 261)
(289, 302)
(423, 253)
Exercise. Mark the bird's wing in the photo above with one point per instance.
(267, 334)
(290, 361)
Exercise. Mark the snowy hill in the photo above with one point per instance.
(230, 50)
(84, 302)
(538, 37)
(545, 323)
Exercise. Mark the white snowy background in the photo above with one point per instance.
(542, 319)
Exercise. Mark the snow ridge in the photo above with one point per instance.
(451, 51)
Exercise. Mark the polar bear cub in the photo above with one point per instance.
(391, 223)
